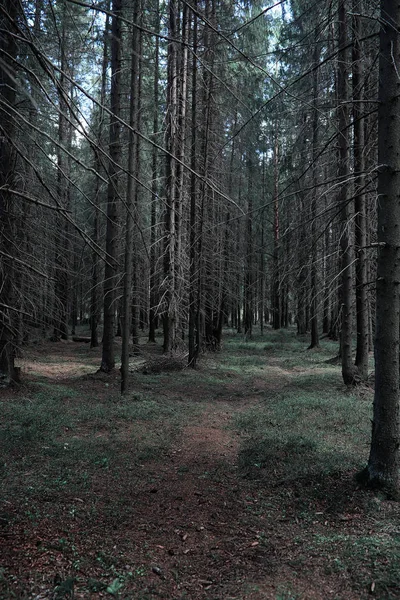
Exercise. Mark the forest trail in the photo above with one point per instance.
(190, 488)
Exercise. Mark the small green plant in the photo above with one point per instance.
(115, 587)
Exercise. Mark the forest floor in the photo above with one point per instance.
(231, 481)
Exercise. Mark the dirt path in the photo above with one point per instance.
(208, 526)
(194, 505)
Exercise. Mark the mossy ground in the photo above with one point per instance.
(233, 481)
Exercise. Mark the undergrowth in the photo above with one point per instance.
(79, 454)
(57, 439)
(302, 442)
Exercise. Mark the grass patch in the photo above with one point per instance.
(283, 347)
(304, 431)
(58, 440)
(372, 562)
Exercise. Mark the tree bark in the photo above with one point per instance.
(170, 314)
(131, 197)
(248, 276)
(111, 266)
(95, 307)
(276, 304)
(154, 190)
(194, 324)
(62, 283)
(314, 343)
(8, 52)
(384, 459)
(362, 312)
(346, 283)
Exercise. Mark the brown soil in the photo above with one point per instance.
(187, 525)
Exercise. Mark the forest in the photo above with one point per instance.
(199, 299)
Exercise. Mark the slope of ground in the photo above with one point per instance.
(234, 481)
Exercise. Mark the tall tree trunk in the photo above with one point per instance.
(384, 459)
(181, 196)
(301, 262)
(131, 197)
(314, 343)
(326, 322)
(154, 190)
(95, 308)
(262, 277)
(135, 168)
(207, 258)
(62, 243)
(170, 315)
(110, 271)
(362, 311)
(8, 52)
(276, 304)
(248, 276)
(348, 370)
(193, 257)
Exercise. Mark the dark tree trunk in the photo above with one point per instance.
(326, 322)
(193, 334)
(248, 277)
(134, 167)
(346, 283)
(128, 315)
(262, 256)
(95, 302)
(8, 52)
(154, 190)
(384, 459)
(314, 343)
(362, 311)
(170, 314)
(276, 303)
(62, 243)
(111, 266)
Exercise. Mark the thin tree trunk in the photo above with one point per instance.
(135, 168)
(133, 164)
(326, 322)
(181, 196)
(111, 266)
(95, 308)
(193, 262)
(62, 282)
(348, 369)
(154, 190)
(314, 343)
(262, 255)
(170, 315)
(8, 50)
(248, 277)
(360, 200)
(276, 305)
